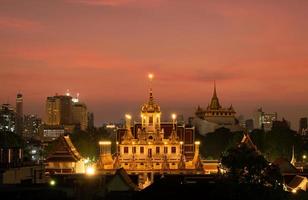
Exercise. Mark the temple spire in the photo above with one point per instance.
(293, 160)
(214, 93)
(215, 102)
(151, 98)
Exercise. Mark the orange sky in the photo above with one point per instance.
(257, 51)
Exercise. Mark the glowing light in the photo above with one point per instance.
(52, 182)
(151, 76)
(173, 116)
(197, 143)
(165, 143)
(304, 156)
(294, 191)
(86, 161)
(127, 116)
(104, 143)
(90, 170)
(67, 92)
(181, 143)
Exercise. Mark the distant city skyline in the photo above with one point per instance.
(103, 49)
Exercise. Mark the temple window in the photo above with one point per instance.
(157, 150)
(173, 149)
(142, 150)
(166, 150)
(151, 119)
(125, 149)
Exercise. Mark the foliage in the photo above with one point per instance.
(245, 165)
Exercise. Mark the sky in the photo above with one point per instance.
(256, 51)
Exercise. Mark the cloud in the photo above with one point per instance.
(18, 24)
(115, 3)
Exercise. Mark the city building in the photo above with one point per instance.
(303, 125)
(152, 146)
(7, 118)
(249, 124)
(59, 110)
(19, 114)
(80, 115)
(32, 126)
(90, 120)
(214, 116)
(264, 120)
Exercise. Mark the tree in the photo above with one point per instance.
(245, 165)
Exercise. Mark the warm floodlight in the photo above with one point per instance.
(197, 143)
(90, 170)
(127, 116)
(52, 182)
(151, 76)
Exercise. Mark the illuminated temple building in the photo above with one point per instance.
(152, 146)
(215, 116)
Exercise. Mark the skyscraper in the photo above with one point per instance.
(264, 120)
(7, 118)
(80, 115)
(59, 110)
(19, 114)
(303, 125)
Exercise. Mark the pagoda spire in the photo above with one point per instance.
(214, 93)
(293, 160)
(215, 101)
(151, 98)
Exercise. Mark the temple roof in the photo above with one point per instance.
(64, 151)
(151, 106)
(214, 105)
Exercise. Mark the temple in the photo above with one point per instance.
(150, 145)
(64, 158)
(215, 116)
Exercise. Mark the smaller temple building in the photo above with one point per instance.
(215, 116)
(64, 158)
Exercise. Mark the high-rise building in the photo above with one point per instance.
(19, 114)
(59, 110)
(264, 120)
(80, 115)
(32, 125)
(90, 120)
(7, 118)
(303, 126)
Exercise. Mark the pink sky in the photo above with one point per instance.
(257, 51)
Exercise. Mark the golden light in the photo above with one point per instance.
(173, 116)
(133, 143)
(151, 76)
(181, 142)
(294, 191)
(304, 156)
(104, 143)
(197, 143)
(52, 182)
(127, 116)
(90, 170)
(165, 143)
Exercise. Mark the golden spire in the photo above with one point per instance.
(215, 101)
(151, 99)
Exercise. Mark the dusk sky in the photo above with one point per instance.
(257, 51)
